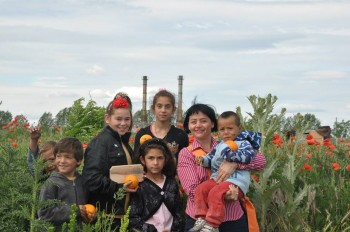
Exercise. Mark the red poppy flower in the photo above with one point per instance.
(348, 167)
(15, 119)
(310, 141)
(335, 166)
(85, 145)
(307, 167)
(26, 125)
(255, 178)
(308, 156)
(341, 140)
(329, 153)
(120, 103)
(308, 137)
(14, 144)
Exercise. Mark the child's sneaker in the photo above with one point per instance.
(198, 225)
(208, 228)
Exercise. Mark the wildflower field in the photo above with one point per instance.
(304, 187)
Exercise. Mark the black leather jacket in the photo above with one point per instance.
(103, 152)
(148, 199)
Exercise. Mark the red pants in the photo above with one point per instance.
(209, 201)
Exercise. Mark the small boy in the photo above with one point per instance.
(45, 152)
(65, 185)
(209, 195)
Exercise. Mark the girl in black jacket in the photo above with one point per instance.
(156, 206)
(109, 148)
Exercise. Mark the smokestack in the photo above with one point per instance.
(144, 103)
(179, 106)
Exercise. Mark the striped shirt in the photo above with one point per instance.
(191, 175)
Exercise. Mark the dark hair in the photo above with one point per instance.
(70, 145)
(110, 109)
(203, 108)
(228, 114)
(169, 168)
(47, 146)
(163, 93)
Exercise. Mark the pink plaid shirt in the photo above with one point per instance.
(191, 175)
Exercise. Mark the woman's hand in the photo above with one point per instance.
(225, 170)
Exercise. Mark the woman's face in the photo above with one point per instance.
(120, 120)
(200, 125)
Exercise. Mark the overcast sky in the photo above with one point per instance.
(55, 52)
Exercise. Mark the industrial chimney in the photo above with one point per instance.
(179, 106)
(144, 103)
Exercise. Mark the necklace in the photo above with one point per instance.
(161, 134)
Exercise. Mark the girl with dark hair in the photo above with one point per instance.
(156, 206)
(163, 107)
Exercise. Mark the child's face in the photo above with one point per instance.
(120, 120)
(228, 129)
(154, 161)
(49, 158)
(163, 109)
(66, 163)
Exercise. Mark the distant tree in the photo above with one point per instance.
(46, 121)
(5, 117)
(84, 122)
(341, 129)
(137, 118)
(300, 122)
(61, 119)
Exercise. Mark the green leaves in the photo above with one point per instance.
(84, 122)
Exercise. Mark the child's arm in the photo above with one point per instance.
(205, 161)
(35, 135)
(33, 150)
(244, 154)
(57, 213)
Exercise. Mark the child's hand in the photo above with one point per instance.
(35, 133)
(127, 189)
(84, 214)
(232, 193)
(199, 160)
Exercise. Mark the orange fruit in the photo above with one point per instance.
(232, 145)
(144, 138)
(133, 179)
(90, 209)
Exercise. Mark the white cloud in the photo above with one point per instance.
(95, 70)
(327, 74)
(226, 50)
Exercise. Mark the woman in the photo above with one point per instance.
(200, 120)
(110, 148)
